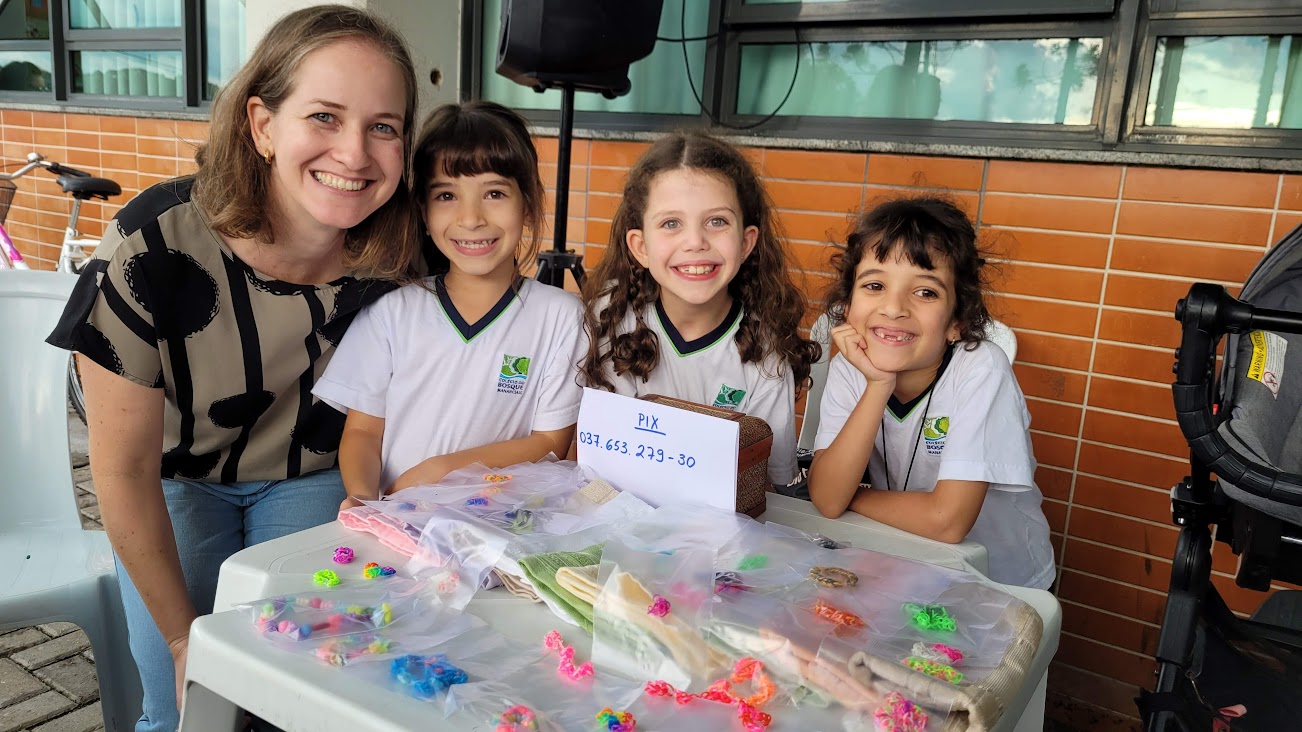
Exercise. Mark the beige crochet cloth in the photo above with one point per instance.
(973, 707)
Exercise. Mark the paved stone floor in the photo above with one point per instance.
(47, 673)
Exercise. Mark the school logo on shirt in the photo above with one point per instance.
(515, 371)
(934, 430)
(729, 398)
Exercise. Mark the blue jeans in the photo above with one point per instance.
(212, 521)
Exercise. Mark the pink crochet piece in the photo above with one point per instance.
(392, 532)
(659, 607)
(552, 642)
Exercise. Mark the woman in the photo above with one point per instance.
(214, 303)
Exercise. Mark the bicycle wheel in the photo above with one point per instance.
(75, 396)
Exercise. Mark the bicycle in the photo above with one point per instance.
(82, 186)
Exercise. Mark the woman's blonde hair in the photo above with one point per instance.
(233, 183)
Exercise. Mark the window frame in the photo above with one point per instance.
(865, 11)
(188, 39)
(1127, 63)
(1166, 138)
(910, 130)
(473, 69)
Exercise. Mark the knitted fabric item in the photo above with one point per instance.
(976, 707)
(540, 570)
(517, 586)
(598, 492)
(580, 582)
(625, 600)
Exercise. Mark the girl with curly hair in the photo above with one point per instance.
(921, 399)
(694, 298)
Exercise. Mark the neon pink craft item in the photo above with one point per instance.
(659, 607)
(897, 714)
(721, 691)
(343, 555)
(938, 652)
(552, 642)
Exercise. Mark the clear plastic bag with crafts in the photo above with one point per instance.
(758, 559)
(468, 652)
(784, 637)
(333, 612)
(524, 485)
(649, 615)
(872, 585)
(428, 623)
(539, 693)
(681, 526)
(455, 554)
(959, 636)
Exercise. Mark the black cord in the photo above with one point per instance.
(687, 65)
(681, 40)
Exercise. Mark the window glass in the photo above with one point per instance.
(224, 42)
(123, 14)
(25, 20)
(659, 80)
(1040, 81)
(1234, 82)
(127, 73)
(25, 71)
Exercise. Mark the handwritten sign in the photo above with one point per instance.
(659, 453)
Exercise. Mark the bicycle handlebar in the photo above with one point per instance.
(36, 160)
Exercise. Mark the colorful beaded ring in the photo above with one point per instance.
(833, 577)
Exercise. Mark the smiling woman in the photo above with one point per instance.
(214, 304)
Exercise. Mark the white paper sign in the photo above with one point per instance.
(658, 453)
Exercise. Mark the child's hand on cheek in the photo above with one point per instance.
(852, 344)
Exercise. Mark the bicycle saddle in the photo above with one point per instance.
(89, 187)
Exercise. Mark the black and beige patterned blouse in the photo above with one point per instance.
(165, 304)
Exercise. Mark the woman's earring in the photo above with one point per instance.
(267, 155)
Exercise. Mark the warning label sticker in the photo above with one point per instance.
(1267, 364)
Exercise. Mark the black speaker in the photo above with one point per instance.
(583, 44)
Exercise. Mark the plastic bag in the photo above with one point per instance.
(469, 652)
(538, 691)
(648, 617)
(455, 555)
(329, 613)
(966, 629)
(674, 527)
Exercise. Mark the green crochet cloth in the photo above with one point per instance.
(540, 570)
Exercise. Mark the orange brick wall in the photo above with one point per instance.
(1093, 258)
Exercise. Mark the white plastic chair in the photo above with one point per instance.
(1004, 337)
(821, 332)
(50, 569)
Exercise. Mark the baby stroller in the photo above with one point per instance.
(1217, 671)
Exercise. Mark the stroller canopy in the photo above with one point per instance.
(1262, 379)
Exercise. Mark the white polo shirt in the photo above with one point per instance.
(709, 371)
(443, 385)
(976, 427)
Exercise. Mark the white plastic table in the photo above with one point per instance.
(230, 668)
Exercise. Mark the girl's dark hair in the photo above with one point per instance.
(233, 182)
(926, 231)
(473, 138)
(772, 304)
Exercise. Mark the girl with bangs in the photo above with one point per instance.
(474, 364)
(694, 298)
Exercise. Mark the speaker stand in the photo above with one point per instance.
(553, 264)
